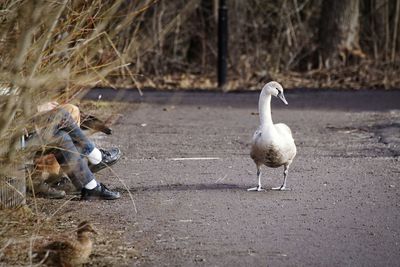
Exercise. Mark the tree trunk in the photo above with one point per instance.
(204, 34)
(339, 32)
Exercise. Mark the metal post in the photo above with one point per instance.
(222, 42)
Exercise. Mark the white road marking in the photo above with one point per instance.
(199, 158)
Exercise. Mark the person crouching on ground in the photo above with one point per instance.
(57, 132)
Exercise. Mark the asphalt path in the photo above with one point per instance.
(186, 163)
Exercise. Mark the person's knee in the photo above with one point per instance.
(63, 138)
(64, 145)
(73, 111)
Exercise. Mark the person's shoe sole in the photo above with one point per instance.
(44, 195)
(101, 166)
(100, 197)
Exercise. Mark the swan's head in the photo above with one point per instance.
(275, 89)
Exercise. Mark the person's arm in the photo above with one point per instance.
(47, 106)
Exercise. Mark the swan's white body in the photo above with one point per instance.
(272, 144)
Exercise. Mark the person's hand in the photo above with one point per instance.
(47, 106)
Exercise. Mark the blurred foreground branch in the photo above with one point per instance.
(50, 51)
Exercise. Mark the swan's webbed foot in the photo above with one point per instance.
(281, 188)
(257, 188)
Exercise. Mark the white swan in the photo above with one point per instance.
(272, 144)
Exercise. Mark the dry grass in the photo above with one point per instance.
(22, 232)
(53, 50)
(66, 47)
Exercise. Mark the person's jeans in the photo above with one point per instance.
(59, 134)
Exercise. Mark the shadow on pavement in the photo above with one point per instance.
(362, 100)
(186, 187)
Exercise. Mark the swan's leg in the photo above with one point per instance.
(257, 188)
(283, 186)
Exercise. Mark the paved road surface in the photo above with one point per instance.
(343, 210)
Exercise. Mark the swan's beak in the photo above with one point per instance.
(282, 97)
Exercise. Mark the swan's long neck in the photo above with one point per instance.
(264, 108)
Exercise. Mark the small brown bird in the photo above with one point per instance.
(69, 252)
(93, 123)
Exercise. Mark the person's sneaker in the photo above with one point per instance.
(109, 157)
(99, 192)
(46, 191)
